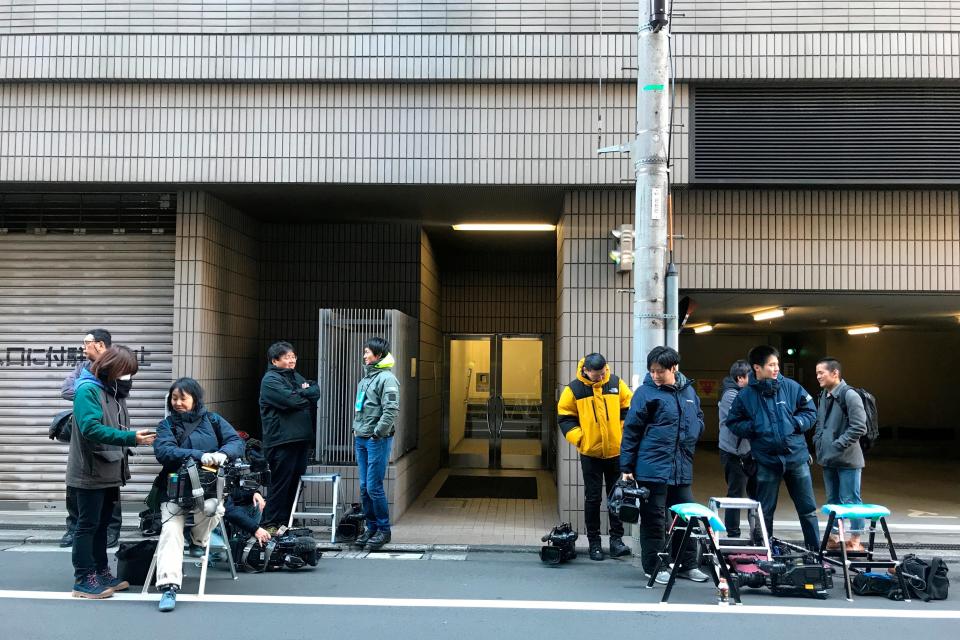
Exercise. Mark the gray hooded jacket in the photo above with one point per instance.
(378, 400)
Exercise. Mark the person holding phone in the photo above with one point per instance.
(97, 465)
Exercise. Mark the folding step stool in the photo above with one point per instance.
(754, 518)
(333, 478)
(701, 523)
(838, 513)
(221, 544)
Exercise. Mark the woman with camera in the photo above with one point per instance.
(189, 433)
(97, 464)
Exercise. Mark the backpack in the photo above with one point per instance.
(868, 439)
(925, 579)
(61, 426)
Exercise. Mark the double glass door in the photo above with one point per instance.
(494, 414)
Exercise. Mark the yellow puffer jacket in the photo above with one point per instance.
(591, 413)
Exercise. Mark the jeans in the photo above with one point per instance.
(116, 520)
(800, 486)
(287, 464)
(596, 472)
(373, 455)
(740, 484)
(653, 520)
(843, 487)
(94, 509)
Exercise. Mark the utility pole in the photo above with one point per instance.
(649, 153)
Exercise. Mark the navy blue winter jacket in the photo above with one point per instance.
(661, 431)
(171, 452)
(774, 415)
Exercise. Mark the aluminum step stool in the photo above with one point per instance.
(221, 531)
(334, 479)
(755, 522)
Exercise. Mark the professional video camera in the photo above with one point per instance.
(244, 474)
(289, 548)
(351, 524)
(625, 499)
(193, 487)
(788, 574)
(561, 544)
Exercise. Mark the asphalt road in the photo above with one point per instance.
(480, 595)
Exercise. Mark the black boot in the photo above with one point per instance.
(617, 548)
(596, 549)
(378, 540)
(363, 538)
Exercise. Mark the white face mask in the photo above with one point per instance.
(126, 377)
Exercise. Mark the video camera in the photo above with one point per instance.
(243, 474)
(561, 544)
(351, 524)
(788, 574)
(625, 499)
(288, 549)
(193, 487)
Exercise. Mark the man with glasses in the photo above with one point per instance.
(94, 344)
(286, 401)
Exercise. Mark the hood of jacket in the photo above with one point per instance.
(681, 383)
(728, 384)
(384, 363)
(587, 381)
(86, 377)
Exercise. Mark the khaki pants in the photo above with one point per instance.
(170, 547)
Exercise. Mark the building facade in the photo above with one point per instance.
(202, 178)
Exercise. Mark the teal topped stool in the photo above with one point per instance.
(700, 523)
(859, 561)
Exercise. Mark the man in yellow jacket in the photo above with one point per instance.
(591, 412)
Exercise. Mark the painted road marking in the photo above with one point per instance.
(551, 605)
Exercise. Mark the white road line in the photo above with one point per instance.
(553, 605)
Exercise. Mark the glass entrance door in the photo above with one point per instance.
(494, 402)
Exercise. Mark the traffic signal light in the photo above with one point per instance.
(622, 255)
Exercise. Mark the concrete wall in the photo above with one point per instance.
(216, 305)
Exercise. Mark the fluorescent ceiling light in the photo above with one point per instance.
(703, 328)
(859, 331)
(504, 227)
(769, 314)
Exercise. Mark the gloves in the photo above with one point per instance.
(215, 459)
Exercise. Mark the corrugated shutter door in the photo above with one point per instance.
(54, 288)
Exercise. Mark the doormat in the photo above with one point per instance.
(502, 487)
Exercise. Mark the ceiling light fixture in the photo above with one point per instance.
(703, 328)
(861, 331)
(485, 226)
(769, 314)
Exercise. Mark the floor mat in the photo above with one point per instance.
(502, 487)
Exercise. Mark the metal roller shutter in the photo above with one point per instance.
(54, 288)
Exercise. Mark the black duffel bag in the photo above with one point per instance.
(133, 561)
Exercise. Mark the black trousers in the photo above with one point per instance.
(116, 519)
(741, 483)
(287, 464)
(94, 509)
(596, 472)
(653, 522)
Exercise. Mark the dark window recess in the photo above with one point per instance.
(88, 212)
(826, 135)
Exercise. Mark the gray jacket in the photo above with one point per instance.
(98, 444)
(66, 389)
(378, 401)
(837, 438)
(730, 442)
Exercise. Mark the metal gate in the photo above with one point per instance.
(53, 289)
(343, 333)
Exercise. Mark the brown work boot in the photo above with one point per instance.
(833, 544)
(853, 544)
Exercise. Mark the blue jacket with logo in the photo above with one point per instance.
(661, 431)
(773, 415)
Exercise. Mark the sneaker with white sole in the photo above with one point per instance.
(168, 601)
(663, 577)
(693, 574)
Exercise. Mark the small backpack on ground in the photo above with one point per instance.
(868, 439)
(926, 579)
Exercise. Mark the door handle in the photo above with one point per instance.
(491, 416)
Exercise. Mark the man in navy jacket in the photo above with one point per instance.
(773, 413)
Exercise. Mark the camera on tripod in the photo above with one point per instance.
(561, 544)
(625, 499)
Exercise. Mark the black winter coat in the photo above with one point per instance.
(285, 407)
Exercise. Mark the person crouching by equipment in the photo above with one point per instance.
(244, 505)
(189, 436)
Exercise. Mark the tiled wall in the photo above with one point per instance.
(216, 305)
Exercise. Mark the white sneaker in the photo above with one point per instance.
(662, 578)
(693, 574)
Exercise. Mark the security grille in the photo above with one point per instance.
(343, 333)
(53, 289)
(824, 135)
(82, 213)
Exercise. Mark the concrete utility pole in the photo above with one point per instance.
(649, 154)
